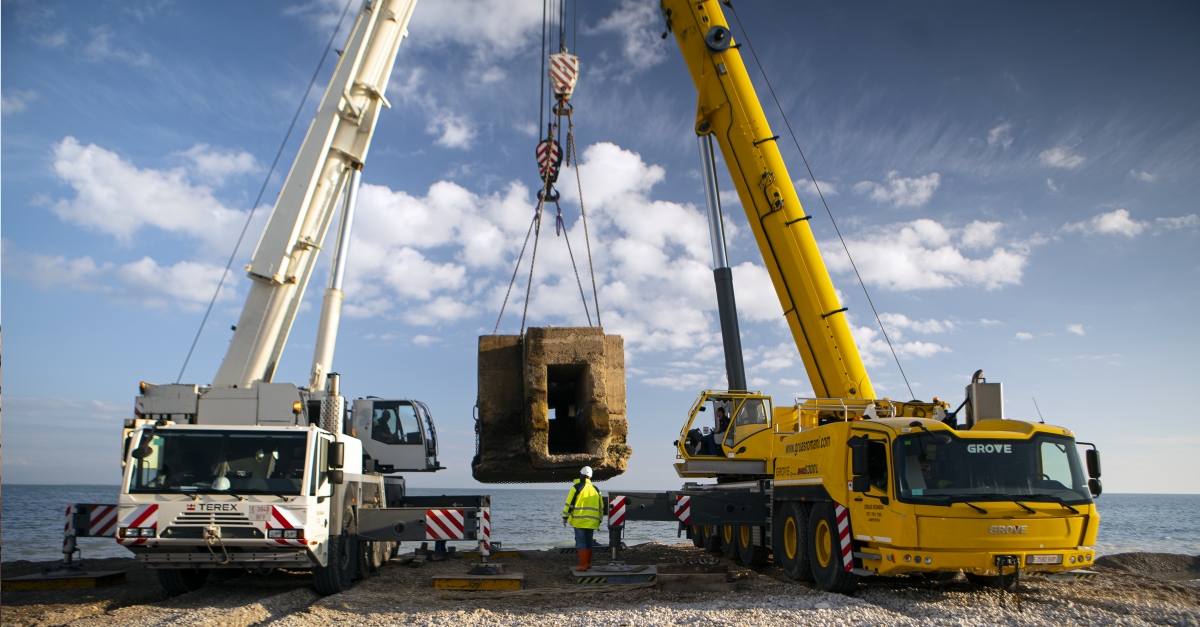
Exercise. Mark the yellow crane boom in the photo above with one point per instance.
(729, 111)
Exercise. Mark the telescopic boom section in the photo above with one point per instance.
(337, 141)
(730, 111)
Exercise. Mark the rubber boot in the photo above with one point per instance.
(585, 560)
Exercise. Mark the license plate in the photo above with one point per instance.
(1043, 559)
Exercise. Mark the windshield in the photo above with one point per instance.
(214, 462)
(395, 422)
(988, 470)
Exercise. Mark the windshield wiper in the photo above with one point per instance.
(947, 501)
(1008, 497)
(1056, 499)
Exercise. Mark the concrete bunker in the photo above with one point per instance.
(550, 403)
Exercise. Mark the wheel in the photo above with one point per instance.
(729, 542)
(362, 567)
(828, 564)
(697, 536)
(751, 554)
(789, 542)
(1006, 582)
(177, 581)
(712, 538)
(379, 555)
(336, 576)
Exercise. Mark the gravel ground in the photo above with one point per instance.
(1133, 589)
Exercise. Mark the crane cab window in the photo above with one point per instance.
(395, 423)
(751, 418)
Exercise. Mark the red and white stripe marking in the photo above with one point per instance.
(444, 524)
(141, 517)
(485, 521)
(843, 525)
(67, 531)
(616, 511)
(283, 518)
(564, 72)
(549, 156)
(683, 510)
(102, 521)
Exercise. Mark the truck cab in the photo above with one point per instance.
(397, 435)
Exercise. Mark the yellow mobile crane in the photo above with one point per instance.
(847, 485)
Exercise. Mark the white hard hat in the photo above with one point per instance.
(586, 471)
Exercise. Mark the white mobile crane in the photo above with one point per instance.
(249, 473)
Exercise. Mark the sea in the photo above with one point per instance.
(32, 520)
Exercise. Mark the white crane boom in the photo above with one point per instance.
(335, 146)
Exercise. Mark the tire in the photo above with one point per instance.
(826, 551)
(337, 575)
(1006, 582)
(362, 567)
(729, 546)
(697, 533)
(751, 554)
(177, 581)
(789, 542)
(712, 538)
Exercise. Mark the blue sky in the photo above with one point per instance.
(1017, 182)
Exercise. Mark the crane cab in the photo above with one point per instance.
(397, 434)
(727, 433)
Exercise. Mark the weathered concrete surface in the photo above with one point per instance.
(549, 404)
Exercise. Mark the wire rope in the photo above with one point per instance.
(263, 190)
(816, 186)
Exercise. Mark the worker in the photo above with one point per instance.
(582, 510)
(712, 441)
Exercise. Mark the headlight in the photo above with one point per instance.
(148, 532)
(274, 533)
(289, 534)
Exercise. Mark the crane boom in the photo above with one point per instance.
(336, 143)
(729, 111)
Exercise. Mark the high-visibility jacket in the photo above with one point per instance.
(587, 510)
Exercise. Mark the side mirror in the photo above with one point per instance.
(1094, 486)
(703, 408)
(142, 452)
(337, 455)
(858, 457)
(337, 477)
(860, 483)
(1093, 465)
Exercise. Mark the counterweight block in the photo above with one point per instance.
(549, 404)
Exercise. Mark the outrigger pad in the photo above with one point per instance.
(549, 404)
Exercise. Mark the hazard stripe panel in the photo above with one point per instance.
(616, 511)
(444, 524)
(843, 525)
(683, 510)
(141, 516)
(283, 518)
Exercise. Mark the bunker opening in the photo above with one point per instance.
(565, 400)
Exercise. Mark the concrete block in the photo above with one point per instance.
(550, 403)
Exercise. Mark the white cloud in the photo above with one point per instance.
(901, 191)
(490, 28)
(186, 285)
(101, 48)
(1077, 329)
(1051, 185)
(980, 234)
(987, 322)
(1115, 222)
(424, 340)
(755, 294)
(897, 323)
(1001, 135)
(1142, 175)
(215, 166)
(16, 101)
(1189, 221)
(1023, 336)
(921, 255)
(115, 197)
(808, 189)
(1061, 157)
(875, 351)
(640, 26)
(454, 131)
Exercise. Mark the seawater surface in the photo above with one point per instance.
(531, 519)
